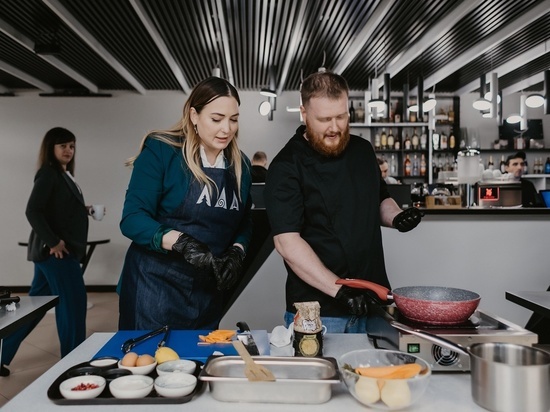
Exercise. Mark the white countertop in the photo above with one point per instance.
(447, 391)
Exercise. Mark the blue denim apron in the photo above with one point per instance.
(163, 289)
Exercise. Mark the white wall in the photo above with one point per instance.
(108, 130)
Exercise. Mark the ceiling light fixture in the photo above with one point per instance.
(513, 118)
(376, 102)
(292, 109)
(268, 92)
(413, 108)
(264, 108)
(430, 103)
(534, 100)
(481, 103)
(488, 97)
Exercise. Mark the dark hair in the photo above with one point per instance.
(323, 84)
(520, 155)
(57, 135)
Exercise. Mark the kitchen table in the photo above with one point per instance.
(448, 391)
(27, 309)
(538, 302)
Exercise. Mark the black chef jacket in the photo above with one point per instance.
(334, 203)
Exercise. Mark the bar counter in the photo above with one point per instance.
(496, 211)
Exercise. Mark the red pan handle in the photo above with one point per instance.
(381, 291)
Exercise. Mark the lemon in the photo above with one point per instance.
(165, 354)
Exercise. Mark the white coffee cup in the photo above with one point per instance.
(98, 211)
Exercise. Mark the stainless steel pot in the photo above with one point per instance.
(506, 377)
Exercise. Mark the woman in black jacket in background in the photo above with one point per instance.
(59, 219)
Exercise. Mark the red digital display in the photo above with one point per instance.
(489, 193)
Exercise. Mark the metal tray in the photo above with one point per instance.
(107, 399)
(298, 380)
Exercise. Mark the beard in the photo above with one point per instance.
(318, 143)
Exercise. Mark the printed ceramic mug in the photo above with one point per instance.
(98, 211)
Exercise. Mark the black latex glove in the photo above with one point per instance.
(229, 267)
(353, 299)
(193, 251)
(407, 220)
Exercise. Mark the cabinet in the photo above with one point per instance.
(427, 151)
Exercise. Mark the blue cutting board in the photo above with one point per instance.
(184, 342)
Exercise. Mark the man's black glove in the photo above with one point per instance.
(193, 251)
(229, 267)
(407, 220)
(353, 299)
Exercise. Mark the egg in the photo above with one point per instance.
(144, 360)
(129, 359)
(366, 390)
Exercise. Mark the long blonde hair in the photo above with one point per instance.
(184, 136)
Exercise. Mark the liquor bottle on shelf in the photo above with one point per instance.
(435, 169)
(351, 113)
(393, 165)
(490, 164)
(525, 167)
(423, 165)
(376, 141)
(415, 166)
(397, 143)
(435, 141)
(360, 114)
(391, 140)
(502, 164)
(547, 166)
(423, 141)
(415, 141)
(443, 142)
(407, 142)
(452, 140)
(451, 115)
(407, 166)
(412, 117)
(383, 139)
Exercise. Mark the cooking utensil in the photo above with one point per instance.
(128, 345)
(506, 377)
(252, 370)
(8, 300)
(434, 305)
(245, 336)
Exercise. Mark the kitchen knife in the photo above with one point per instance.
(245, 336)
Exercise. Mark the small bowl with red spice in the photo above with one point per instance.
(82, 387)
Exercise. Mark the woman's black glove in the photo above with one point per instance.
(229, 267)
(353, 299)
(193, 251)
(407, 220)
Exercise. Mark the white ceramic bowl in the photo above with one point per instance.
(174, 385)
(104, 362)
(131, 386)
(175, 366)
(139, 370)
(66, 387)
(379, 393)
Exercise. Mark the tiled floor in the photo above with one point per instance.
(40, 350)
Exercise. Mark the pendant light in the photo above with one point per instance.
(376, 103)
(481, 103)
(534, 100)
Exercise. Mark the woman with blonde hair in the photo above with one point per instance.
(187, 212)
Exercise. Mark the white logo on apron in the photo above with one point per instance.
(204, 197)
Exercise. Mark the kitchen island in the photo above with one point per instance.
(446, 391)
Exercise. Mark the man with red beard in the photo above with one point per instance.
(326, 201)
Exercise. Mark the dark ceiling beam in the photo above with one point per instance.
(406, 57)
(297, 33)
(523, 84)
(488, 43)
(86, 36)
(151, 28)
(363, 36)
(225, 42)
(27, 43)
(510, 66)
(14, 71)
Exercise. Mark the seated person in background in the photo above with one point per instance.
(514, 167)
(259, 167)
(384, 167)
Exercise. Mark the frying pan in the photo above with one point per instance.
(434, 305)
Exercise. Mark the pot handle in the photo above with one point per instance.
(381, 291)
(431, 337)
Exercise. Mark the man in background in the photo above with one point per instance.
(515, 164)
(384, 167)
(259, 167)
